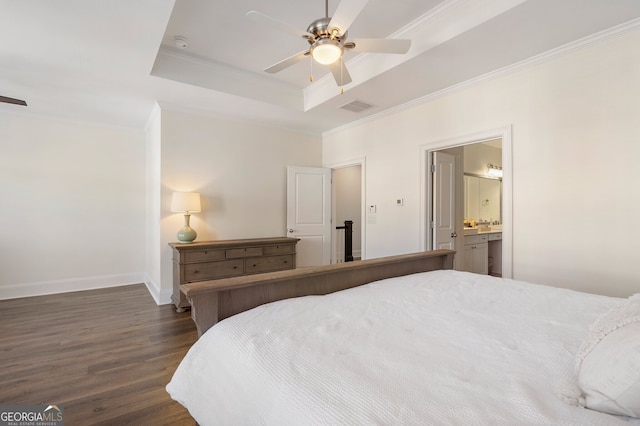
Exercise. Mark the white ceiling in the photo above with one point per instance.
(109, 61)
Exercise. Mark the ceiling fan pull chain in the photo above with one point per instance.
(341, 80)
(311, 69)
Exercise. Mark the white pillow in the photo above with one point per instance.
(608, 361)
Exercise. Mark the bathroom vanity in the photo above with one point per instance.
(482, 251)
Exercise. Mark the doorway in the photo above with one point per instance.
(348, 182)
(320, 199)
(452, 146)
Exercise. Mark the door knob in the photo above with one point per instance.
(290, 230)
(454, 234)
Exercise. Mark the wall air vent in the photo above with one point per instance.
(356, 106)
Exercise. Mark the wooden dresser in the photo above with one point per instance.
(210, 260)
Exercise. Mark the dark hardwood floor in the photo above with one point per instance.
(106, 355)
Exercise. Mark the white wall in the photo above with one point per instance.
(72, 206)
(153, 252)
(86, 206)
(239, 170)
(575, 173)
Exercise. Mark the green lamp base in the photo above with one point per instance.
(187, 234)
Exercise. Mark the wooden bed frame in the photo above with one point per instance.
(212, 301)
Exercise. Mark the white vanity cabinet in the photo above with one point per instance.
(478, 249)
(476, 253)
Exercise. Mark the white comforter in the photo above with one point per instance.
(440, 347)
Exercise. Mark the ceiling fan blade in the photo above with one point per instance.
(340, 73)
(285, 63)
(270, 22)
(379, 45)
(346, 13)
(7, 100)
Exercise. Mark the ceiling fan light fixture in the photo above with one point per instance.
(326, 51)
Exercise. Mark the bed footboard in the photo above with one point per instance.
(212, 301)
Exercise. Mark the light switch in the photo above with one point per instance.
(372, 208)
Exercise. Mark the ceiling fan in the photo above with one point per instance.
(7, 100)
(327, 38)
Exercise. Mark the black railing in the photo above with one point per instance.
(348, 240)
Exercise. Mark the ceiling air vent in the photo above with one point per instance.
(356, 106)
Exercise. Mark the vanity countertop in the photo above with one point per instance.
(495, 229)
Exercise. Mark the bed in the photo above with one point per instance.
(415, 347)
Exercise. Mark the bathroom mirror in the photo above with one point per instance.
(482, 198)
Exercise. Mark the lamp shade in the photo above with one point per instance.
(185, 202)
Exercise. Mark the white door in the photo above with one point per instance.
(309, 213)
(444, 224)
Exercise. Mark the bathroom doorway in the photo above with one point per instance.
(472, 155)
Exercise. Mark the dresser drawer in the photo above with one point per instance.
(212, 260)
(267, 264)
(244, 252)
(495, 236)
(213, 270)
(203, 256)
(281, 249)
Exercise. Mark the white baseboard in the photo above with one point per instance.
(162, 297)
(41, 288)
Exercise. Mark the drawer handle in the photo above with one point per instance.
(235, 267)
(285, 261)
(254, 265)
(196, 272)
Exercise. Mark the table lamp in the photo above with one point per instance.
(187, 203)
